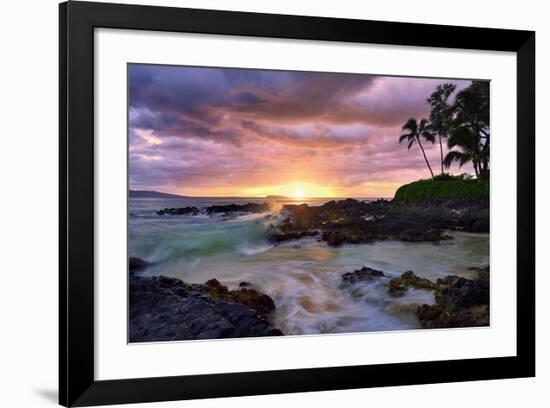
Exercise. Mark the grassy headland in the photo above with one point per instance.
(442, 186)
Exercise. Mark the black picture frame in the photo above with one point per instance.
(77, 21)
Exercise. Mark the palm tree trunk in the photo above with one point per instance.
(425, 158)
(484, 169)
(441, 151)
(476, 170)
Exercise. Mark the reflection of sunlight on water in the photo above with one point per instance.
(317, 255)
(307, 249)
(305, 279)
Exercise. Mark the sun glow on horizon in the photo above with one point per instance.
(297, 190)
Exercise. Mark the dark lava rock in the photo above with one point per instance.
(479, 225)
(364, 274)
(477, 203)
(336, 238)
(168, 309)
(459, 302)
(262, 304)
(399, 286)
(179, 211)
(483, 274)
(137, 264)
(462, 292)
(355, 222)
(249, 207)
(215, 209)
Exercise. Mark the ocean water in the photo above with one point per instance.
(302, 277)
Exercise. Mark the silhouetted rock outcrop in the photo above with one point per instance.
(356, 222)
(216, 209)
(179, 211)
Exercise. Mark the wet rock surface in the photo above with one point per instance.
(356, 222)
(179, 211)
(364, 274)
(137, 264)
(262, 304)
(459, 302)
(398, 286)
(168, 309)
(217, 209)
(249, 207)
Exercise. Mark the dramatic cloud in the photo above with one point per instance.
(213, 131)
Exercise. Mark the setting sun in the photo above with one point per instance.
(298, 192)
(304, 190)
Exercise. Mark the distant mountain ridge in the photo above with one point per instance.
(151, 194)
(276, 197)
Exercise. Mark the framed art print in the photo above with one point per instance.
(254, 203)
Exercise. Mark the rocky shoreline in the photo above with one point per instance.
(459, 302)
(356, 222)
(168, 309)
(217, 209)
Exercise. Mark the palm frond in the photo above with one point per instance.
(462, 137)
(410, 125)
(455, 156)
(405, 136)
(429, 136)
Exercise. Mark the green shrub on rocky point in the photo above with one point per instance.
(442, 186)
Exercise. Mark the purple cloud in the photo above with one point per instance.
(212, 131)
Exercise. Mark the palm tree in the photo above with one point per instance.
(417, 131)
(463, 137)
(441, 115)
(471, 129)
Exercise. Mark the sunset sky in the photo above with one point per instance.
(246, 133)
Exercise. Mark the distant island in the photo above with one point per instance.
(151, 194)
(276, 197)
